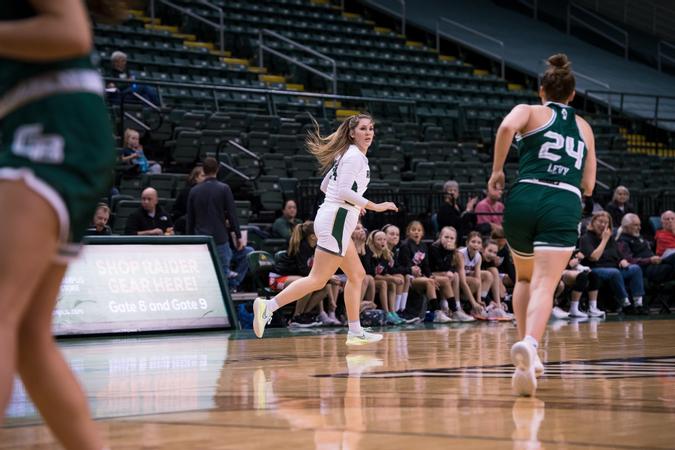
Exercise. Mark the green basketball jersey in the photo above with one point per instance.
(12, 71)
(555, 151)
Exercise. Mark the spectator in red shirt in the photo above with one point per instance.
(665, 238)
(490, 204)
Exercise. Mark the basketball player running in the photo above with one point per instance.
(543, 210)
(56, 161)
(342, 157)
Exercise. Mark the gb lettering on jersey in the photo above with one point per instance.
(30, 142)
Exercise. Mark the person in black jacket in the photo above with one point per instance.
(636, 250)
(604, 259)
(295, 264)
(619, 205)
(150, 219)
(452, 214)
(393, 235)
(446, 260)
(414, 257)
(210, 208)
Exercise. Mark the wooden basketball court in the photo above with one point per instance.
(608, 385)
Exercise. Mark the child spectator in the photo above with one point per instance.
(380, 262)
(414, 258)
(446, 261)
(490, 262)
(393, 243)
(580, 278)
(479, 281)
(133, 153)
(368, 290)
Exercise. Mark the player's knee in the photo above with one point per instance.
(358, 275)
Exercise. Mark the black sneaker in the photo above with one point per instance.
(641, 310)
(629, 310)
(304, 321)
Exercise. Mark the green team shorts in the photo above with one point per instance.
(61, 146)
(541, 216)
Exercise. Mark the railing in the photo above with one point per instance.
(599, 83)
(661, 56)
(271, 94)
(218, 26)
(264, 48)
(657, 102)
(499, 57)
(421, 205)
(581, 21)
(647, 15)
(126, 115)
(379, 5)
(244, 150)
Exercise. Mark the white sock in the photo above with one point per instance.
(574, 307)
(638, 301)
(404, 300)
(355, 327)
(458, 304)
(592, 304)
(398, 302)
(444, 304)
(483, 295)
(626, 302)
(532, 341)
(272, 305)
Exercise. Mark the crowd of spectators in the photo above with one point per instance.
(464, 274)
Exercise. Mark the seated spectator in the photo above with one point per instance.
(393, 235)
(359, 238)
(150, 219)
(179, 209)
(505, 263)
(116, 90)
(239, 259)
(101, 217)
(133, 154)
(479, 281)
(379, 265)
(603, 257)
(636, 250)
(490, 262)
(452, 214)
(445, 260)
(414, 257)
(283, 226)
(665, 238)
(297, 263)
(619, 205)
(580, 279)
(490, 211)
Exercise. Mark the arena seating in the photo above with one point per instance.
(448, 135)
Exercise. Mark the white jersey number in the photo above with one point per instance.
(560, 142)
(30, 143)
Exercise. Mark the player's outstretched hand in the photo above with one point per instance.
(496, 181)
(385, 206)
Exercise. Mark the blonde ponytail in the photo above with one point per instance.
(327, 148)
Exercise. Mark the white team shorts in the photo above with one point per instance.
(333, 226)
